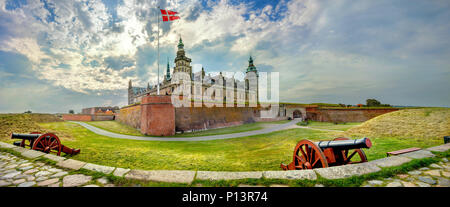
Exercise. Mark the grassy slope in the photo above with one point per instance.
(408, 123)
(120, 128)
(22, 123)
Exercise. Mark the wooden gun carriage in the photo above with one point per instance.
(340, 151)
(43, 142)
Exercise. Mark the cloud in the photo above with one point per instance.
(327, 51)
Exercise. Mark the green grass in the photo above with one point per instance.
(255, 153)
(331, 126)
(117, 127)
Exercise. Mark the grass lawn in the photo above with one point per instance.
(114, 126)
(332, 126)
(255, 153)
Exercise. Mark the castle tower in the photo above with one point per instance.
(182, 63)
(251, 82)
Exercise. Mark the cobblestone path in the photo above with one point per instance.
(15, 171)
(435, 175)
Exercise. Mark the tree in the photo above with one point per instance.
(28, 112)
(372, 102)
(71, 111)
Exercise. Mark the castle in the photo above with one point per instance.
(239, 91)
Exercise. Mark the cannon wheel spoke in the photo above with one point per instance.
(48, 143)
(308, 155)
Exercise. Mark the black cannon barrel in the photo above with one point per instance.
(346, 144)
(24, 136)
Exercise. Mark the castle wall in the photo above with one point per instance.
(201, 118)
(130, 116)
(76, 117)
(87, 117)
(345, 115)
(101, 117)
(157, 116)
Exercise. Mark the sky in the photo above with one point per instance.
(61, 55)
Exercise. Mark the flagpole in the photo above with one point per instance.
(158, 51)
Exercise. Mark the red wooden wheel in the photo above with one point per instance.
(351, 159)
(47, 143)
(307, 155)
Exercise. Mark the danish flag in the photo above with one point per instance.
(168, 15)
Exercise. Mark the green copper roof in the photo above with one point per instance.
(168, 70)
(251, 67)
(180, 44)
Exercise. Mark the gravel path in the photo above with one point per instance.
(201, 138)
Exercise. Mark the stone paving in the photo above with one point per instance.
(18, 172)
(435, 175)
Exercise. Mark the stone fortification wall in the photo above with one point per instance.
(103, 117)
(87, 117)
(200, 118)
(130, 115)
(76, 117)
(157, 116)
(345, 115)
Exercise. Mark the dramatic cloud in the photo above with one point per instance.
(325, 51)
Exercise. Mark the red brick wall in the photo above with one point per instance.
(102, 117)
(345, 115)
(76, 117)
(157, 116)
(130, 116)
(200, 118)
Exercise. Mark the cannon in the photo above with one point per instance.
(339, 151)
(43, 142)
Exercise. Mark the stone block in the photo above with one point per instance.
(54, 157)
(75, 180)
(291, 174)
(119, 172)
(32, 154)
(390, 161)
(213, 175)
(345, 171)
(418, 154)
(171, 176)
(71, 164)
(6, 145)
(440, 148)
(19, 149)
(98, 168)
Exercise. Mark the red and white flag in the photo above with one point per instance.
(168, 15)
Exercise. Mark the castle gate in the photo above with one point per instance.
(297, 114)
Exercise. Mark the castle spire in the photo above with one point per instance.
(168, 70)
(129, 84)
(251, 67)
(180, 44)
